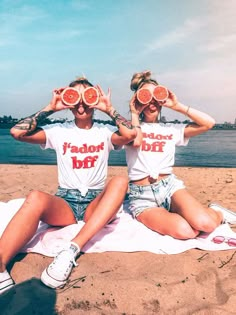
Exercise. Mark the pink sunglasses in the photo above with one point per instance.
(222, 239)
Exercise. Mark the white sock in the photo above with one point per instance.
(74, 248)
(4, 274)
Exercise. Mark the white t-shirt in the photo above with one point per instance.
(82, 154)
(156, 155)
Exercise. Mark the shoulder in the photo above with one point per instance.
(106, 127)
(59, 126)
(176, 126)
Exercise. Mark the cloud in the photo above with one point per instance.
(176, 36)
(221, 43)
(211, 32)
(209, 87)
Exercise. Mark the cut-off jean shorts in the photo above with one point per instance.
(76, 201)
(154, 195)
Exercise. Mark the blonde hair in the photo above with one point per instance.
(140, 78)
(81, 80)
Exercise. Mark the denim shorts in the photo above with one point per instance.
(154, 195)
(76, 201)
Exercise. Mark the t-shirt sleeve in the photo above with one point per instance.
(110, 129)
(51, 131)
(180, 139)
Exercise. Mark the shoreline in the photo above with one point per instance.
(138, 283)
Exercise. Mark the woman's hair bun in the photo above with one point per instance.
(139, 78)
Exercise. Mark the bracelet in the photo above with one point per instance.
(186, 113)
(137, 127)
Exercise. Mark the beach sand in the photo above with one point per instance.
(194, 282)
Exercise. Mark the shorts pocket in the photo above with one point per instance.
(61, 192)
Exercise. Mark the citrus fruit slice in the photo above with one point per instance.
(90, 96)
(144, 96)
(160, 93)
(70, 96)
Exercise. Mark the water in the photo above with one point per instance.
(216, 148)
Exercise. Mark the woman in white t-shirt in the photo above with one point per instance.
(158, 198)
(82, 148)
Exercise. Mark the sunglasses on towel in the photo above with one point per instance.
(222, 239)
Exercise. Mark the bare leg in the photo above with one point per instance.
(167, 223)
(98, 214)
(102, 209)
(37, 206)
(199, 217)
(186, 219)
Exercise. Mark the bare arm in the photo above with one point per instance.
(27, 129)
(136, 109)
(202, 121)
(126, 132)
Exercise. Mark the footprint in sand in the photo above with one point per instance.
(211, 279)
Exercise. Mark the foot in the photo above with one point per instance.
(6, 281)
(56, 274)
(228, 215)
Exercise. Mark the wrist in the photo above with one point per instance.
(181, 108)
(49, 107)
(110, 111)
(187, 111)
(134, 112)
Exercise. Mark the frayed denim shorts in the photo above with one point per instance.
(76, 201)
(154, 195)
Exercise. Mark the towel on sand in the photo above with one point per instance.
(124, 234)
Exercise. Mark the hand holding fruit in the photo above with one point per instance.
(170, 102)
(104, 102)
(56, 102)
(135, 106)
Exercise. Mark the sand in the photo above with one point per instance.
(194, 282)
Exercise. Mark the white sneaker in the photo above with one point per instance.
(6, 281)
(57, 273)
(228, 215)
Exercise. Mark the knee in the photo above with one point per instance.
(37, 199)
(184, 231)
(120, 183)
(204, 222)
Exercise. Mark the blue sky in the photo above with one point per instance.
(189, 46)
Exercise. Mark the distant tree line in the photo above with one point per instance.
(8, 122)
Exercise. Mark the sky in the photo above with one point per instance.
(188, 45)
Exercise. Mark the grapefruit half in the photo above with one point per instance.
(90, 96)
(144, 96)
(160, 93)
(70, 96)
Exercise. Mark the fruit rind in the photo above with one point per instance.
(144, 96)
(160, 93)
(70, 96)
(92, 98)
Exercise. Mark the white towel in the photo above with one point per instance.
(125, 234)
